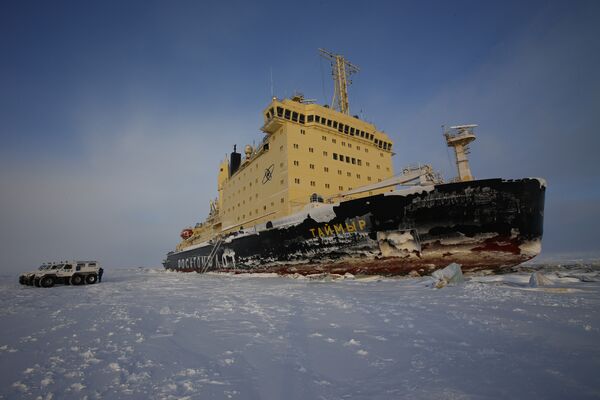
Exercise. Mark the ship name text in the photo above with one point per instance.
(358, 225)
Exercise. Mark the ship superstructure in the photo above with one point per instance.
(308, 150)
(319, 193)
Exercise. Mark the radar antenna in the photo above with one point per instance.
(341, 71)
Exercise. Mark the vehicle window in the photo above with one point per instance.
(56, 266)
(78, 268)
(68, 267)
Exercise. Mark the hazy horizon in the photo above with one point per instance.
(114, 116)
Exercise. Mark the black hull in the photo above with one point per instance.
(483, 224)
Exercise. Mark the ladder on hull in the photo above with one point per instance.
(210, 260)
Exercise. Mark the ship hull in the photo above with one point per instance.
(481, 224)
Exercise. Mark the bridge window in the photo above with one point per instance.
(335, 156)
(301, 117)
(310, 118)
(287, 114)
(295, 116)
(279, 112)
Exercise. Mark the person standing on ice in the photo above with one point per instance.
(100, 272)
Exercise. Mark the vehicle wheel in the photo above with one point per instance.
(30, 281)
(91, 279)
(36, 282)
(47, 281)
(76, 280)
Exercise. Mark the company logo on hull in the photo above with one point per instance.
(192, 262)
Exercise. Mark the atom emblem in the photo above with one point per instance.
(268, 174)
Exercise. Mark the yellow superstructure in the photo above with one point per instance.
(309, 151)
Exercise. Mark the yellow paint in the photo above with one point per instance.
(301, 158)
(338, 229)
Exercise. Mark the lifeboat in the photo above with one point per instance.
(186, 233)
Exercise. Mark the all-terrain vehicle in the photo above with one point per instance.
(69, 273)
(27, 277)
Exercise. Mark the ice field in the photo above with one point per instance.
(153, 334)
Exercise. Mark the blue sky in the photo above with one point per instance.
(114, 115)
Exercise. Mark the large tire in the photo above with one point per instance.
(91, 279)
(36, 282)
(76, 280)
(47, 281)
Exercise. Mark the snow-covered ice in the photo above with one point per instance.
(152, 334)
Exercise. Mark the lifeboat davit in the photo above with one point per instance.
(186, 233)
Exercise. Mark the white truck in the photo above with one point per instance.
(27, 277)
(66, 272)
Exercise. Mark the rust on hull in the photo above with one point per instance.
(487, 224)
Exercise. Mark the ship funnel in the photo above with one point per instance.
(459, 137)
(234, 161)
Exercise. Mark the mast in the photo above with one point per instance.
(459, 138)
(341, 71)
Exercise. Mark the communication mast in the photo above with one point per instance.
(459, 137)
(342, 69)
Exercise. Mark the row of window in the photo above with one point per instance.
(312, 150)
(265, 208)
(348, 159)
(313, 183)
(342, 128)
